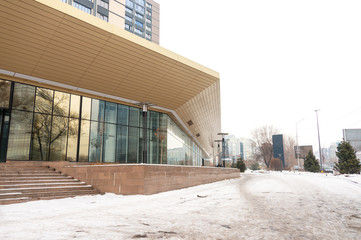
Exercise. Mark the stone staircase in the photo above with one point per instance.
(19, 183)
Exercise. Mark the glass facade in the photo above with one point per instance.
(49, 125)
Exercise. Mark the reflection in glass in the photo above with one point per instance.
(123, 114)
(122, 144)
(133, 145)
(58, 139)
(97, 113)
(20, 135)
(44, 100)
(154, 147)
(84, 141)
(153, 120)
(40, 137)
(72, 139)
(96, 142)
(74, 106)
(4, 93)
(134, 114)
(111, 112)
(109, 142)
(61, 104)
(86, 108)
(24, 96)
(4, 133)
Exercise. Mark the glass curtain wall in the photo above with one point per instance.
(49, 125)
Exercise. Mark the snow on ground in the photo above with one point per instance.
(268, 205)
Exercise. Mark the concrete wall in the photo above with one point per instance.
(129, 179)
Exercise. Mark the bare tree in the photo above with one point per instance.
(262, 138)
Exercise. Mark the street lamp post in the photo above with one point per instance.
(223, 148)
(319, 141)
(297, 147)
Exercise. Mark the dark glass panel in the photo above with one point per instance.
(96, 142)
(4, 93)
(86, 108)
(123, 114)
(153, 120)
(134, 114)
(133, 145)
(24, 96)
(122, 144)
(154, 147)
(20, 135)
(84, 141)
(40, 137)
(74, 106)
(44, 100)
(111, 112)
(97, 110)
(58, 138)
(72, 139)
(109, 142)
(4, 130)
(163, 119)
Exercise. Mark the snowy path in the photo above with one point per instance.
(256, 206)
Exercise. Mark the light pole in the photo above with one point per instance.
(319, 141)
(297, 147)
(218, 141)
(223, 148)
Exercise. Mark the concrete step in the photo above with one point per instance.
(68, 179)
(34, 178)
(46, 189)
(29, 185)
(45, 196)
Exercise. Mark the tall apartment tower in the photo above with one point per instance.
(140, 17)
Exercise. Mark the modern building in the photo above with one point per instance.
(140, 17)
(353, 136)
(278, 148)
(76, 86)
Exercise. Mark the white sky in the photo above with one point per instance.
(278, 61)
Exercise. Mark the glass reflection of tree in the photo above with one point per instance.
(161, 135)
(4, 94)
(48, 131)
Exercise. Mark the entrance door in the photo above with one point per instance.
(4, 132)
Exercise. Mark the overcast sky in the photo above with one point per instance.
(278, 61)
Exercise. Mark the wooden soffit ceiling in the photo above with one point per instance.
(52, 40)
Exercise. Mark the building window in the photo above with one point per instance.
(139, 9)
(128, 10)
(102, 17)
(82, 7)
(149, 13)
(64, 1)
(148, 21)
(128, 18)
(148, 28)
(138, 31)
(140, 24)
(139, 15)
(140, 2)
(129, 4)
(128, 27)
(103, 4)
(148, 36)
(149, 5)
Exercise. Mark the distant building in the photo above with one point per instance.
(278, 148)
(140, 17)
(353, 136)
